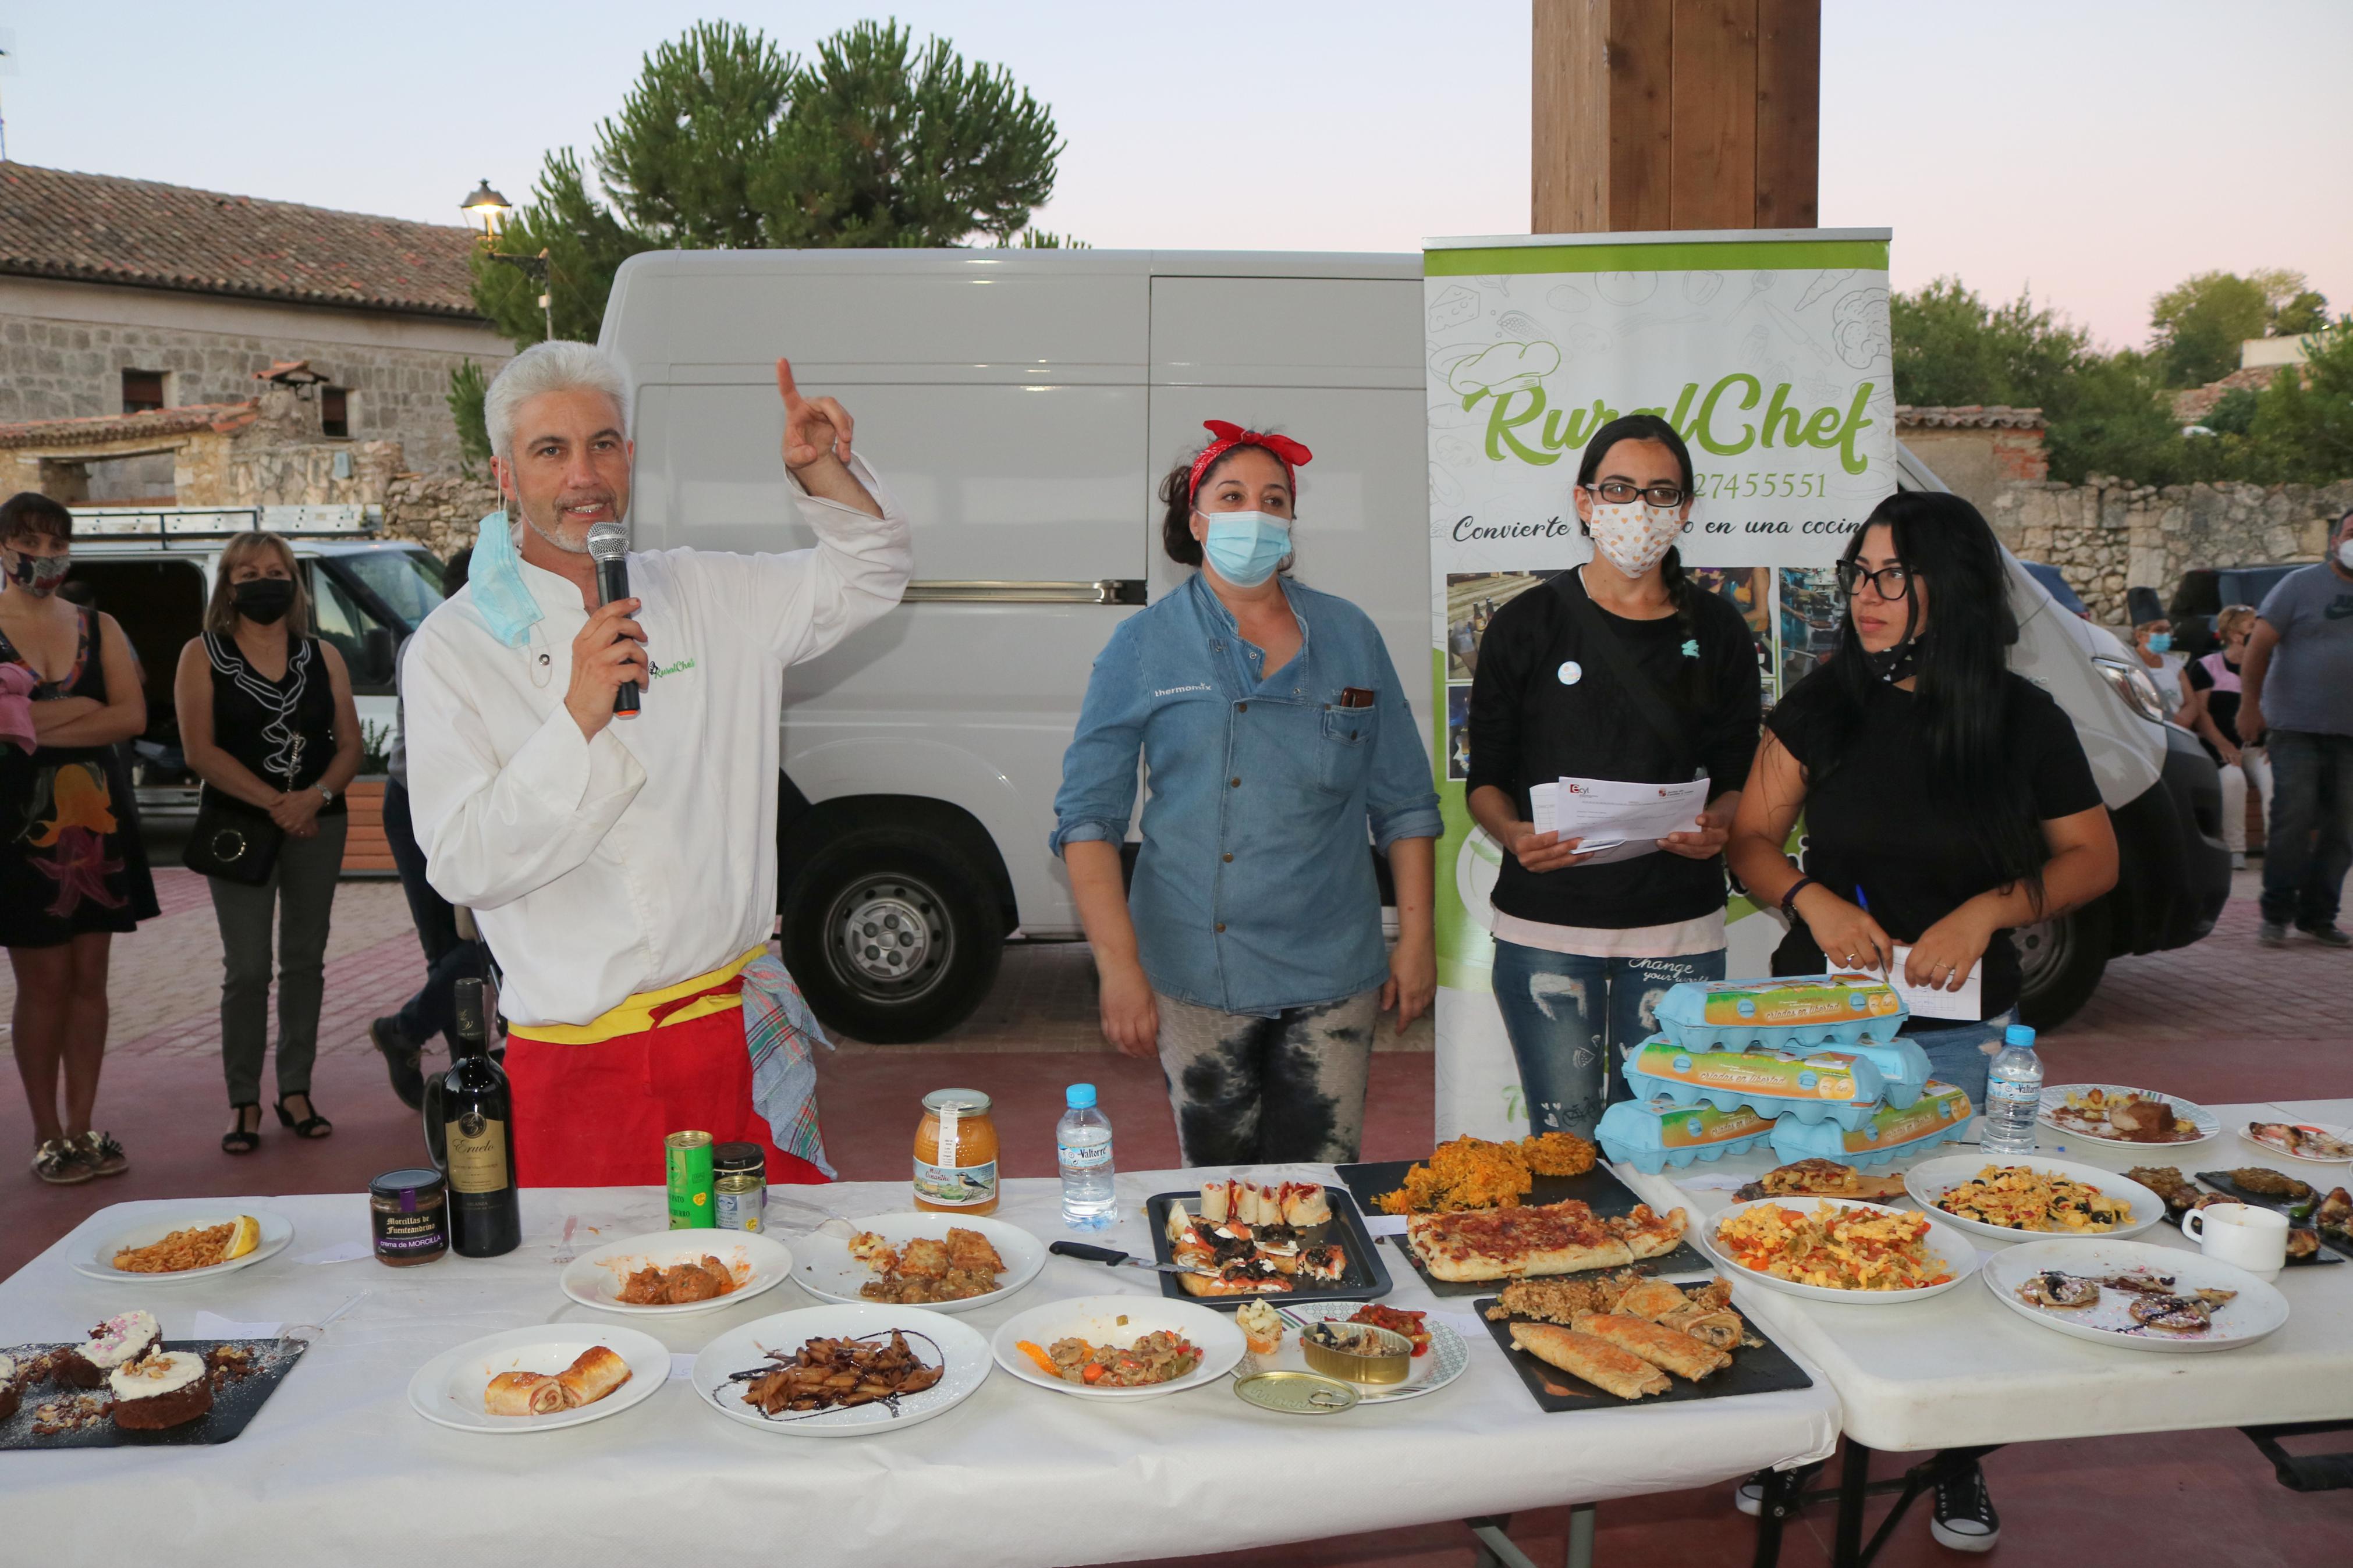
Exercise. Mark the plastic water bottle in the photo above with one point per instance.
(1082, 1148)
(2013, 1095)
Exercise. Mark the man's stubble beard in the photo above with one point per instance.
(555, 535)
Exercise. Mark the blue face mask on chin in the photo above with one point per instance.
(1245, 546)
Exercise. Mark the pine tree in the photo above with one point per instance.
(680, 159)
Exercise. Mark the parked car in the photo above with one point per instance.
(153, 571)
(2204, 592)
(2055, 584)
(1024, 404)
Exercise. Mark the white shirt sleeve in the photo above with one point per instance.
(798, 604)
(494, 831)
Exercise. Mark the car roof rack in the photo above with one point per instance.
(348, 521)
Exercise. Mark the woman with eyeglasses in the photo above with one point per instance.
(1621, 668)
(2212, 715)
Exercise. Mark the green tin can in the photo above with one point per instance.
(686, 1162)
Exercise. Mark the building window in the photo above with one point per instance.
(143, 390)
(335, 411)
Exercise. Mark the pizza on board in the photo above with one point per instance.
(1565, 1237)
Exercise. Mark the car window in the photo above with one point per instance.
(343, 621)
(409, 581)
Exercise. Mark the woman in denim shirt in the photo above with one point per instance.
(1249, 955)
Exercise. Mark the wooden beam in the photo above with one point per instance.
(1568, 105)
(1788, 112)
(1712, 165)
(1641, 47)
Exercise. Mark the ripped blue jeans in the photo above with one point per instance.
(1567, 1015)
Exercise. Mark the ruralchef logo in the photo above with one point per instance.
(1523, 422)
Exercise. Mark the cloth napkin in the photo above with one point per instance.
(779, 1030)
(17, 684)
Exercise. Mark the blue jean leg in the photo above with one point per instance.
(2308, 843)
(1571, 1017)
(1959, 1056)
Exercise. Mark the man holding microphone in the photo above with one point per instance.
(624, 873)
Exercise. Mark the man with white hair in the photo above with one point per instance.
(624, 874)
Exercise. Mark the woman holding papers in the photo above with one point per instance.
(1946, 800)
(1621, 671)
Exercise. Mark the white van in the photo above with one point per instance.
(1024, 404)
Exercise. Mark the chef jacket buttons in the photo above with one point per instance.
(1571, 672)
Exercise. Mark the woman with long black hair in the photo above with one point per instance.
(1948, 793)
(1622, 668)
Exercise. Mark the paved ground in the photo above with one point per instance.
(2226, 1020)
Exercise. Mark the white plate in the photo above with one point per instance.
(827, 1271)
(97, 1260)
(966, 1353)
(758, 1262)
(1426, 1373)
(1945, 1241)
(2257, 1311)
(1097, 1318)
(448, 1390)
(1931, 1179)
(2206, 1121)
(2306, 1160)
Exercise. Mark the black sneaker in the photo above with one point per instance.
(2274, 934)
(2328, 935)
(400, 1063)
(1964, 1519)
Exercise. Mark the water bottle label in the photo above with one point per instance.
(1082, 1156)
(2014, 1093)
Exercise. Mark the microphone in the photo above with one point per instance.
(609, 546)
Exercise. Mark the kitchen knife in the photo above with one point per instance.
(1080, 1250)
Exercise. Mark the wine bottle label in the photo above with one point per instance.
(478, 1154)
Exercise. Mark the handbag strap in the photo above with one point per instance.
(1650, 702)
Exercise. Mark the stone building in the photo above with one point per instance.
(125, 297)
(1977, 451)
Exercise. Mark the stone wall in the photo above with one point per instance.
(2105, 536)
(439, 511)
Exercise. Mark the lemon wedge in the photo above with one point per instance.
(243, 1238)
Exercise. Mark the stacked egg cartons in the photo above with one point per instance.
(1817, 1065)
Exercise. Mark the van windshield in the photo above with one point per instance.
(409, 581)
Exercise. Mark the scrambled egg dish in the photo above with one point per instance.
(2017, 1198)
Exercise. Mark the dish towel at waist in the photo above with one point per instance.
(779, 1029)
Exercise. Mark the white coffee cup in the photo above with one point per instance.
(2255, 1240)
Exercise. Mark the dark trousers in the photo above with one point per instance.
(2308, 847)
(448, 957)
(300, 897)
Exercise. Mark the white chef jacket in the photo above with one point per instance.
(648, 856)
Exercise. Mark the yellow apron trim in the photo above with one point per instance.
(636, 1016)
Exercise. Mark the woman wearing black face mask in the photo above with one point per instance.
(266, 722)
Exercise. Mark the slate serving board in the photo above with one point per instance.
(1367, 1279)
(236, 1401)
(1755, 1369)
(2335, 1249)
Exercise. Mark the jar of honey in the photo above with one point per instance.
(956, 1153)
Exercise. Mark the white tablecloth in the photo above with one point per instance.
(340, 1469)
(1961, 1369)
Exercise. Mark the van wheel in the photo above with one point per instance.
(2062, 959)
(892, 936)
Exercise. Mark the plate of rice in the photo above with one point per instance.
(1842, 1249)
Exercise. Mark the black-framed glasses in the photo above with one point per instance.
(1892, 583)
(1618, 493)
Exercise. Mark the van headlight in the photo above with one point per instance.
(2133, 684)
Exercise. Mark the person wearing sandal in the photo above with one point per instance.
(266, 722)
(72, 874)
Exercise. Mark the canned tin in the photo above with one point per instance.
(686, 1164)
(739, 1188)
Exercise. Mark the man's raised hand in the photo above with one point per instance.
(813, 427)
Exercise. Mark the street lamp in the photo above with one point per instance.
(489, 209)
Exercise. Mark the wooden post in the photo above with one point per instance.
(1664, 114)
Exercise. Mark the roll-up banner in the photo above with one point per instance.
(1768, 351)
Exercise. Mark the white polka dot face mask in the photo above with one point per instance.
(1634, 535)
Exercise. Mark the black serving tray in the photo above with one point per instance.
(1755, 1369)
(236, 1401)
(1367, 1279)
(1598, 1189)
(2337, 1248)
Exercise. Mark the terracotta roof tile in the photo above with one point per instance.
(96, 428)
(1969, 417)
(103, 229)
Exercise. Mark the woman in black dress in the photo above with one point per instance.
(266, 722)
(72, 872)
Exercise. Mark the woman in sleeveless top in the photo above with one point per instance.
(72, 872)
(266, 722)
(2212, 715)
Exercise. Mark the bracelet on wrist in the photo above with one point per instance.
(1789, 896)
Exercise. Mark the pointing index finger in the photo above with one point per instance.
(785, 386)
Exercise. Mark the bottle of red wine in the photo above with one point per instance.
(470, 1128)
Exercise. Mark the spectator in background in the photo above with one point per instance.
(2212, 715)
(72, 871)
(450, 957)
(2153, 641)
(267, 720)
(2298, 684)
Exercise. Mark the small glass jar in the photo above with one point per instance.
(956, 1153)
(408, 1213)
(739, 1186)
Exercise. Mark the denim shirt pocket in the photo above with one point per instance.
(1346, 752)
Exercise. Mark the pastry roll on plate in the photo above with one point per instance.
(515, 1393)
(1662, 1347)
(596, 1372)
(1596, 1360)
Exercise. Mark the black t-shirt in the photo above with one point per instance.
(1871, 822)
(1527, 726)
(2221, 706)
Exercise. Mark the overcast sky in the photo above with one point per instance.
(2097, 150)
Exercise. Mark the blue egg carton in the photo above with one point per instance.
(1846, 1035)
(1842, 1114)
(1940, 1115)
(1653, 1135)
(1851, 1010)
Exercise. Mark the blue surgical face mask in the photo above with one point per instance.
(1245, 546)
(2160, 642)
